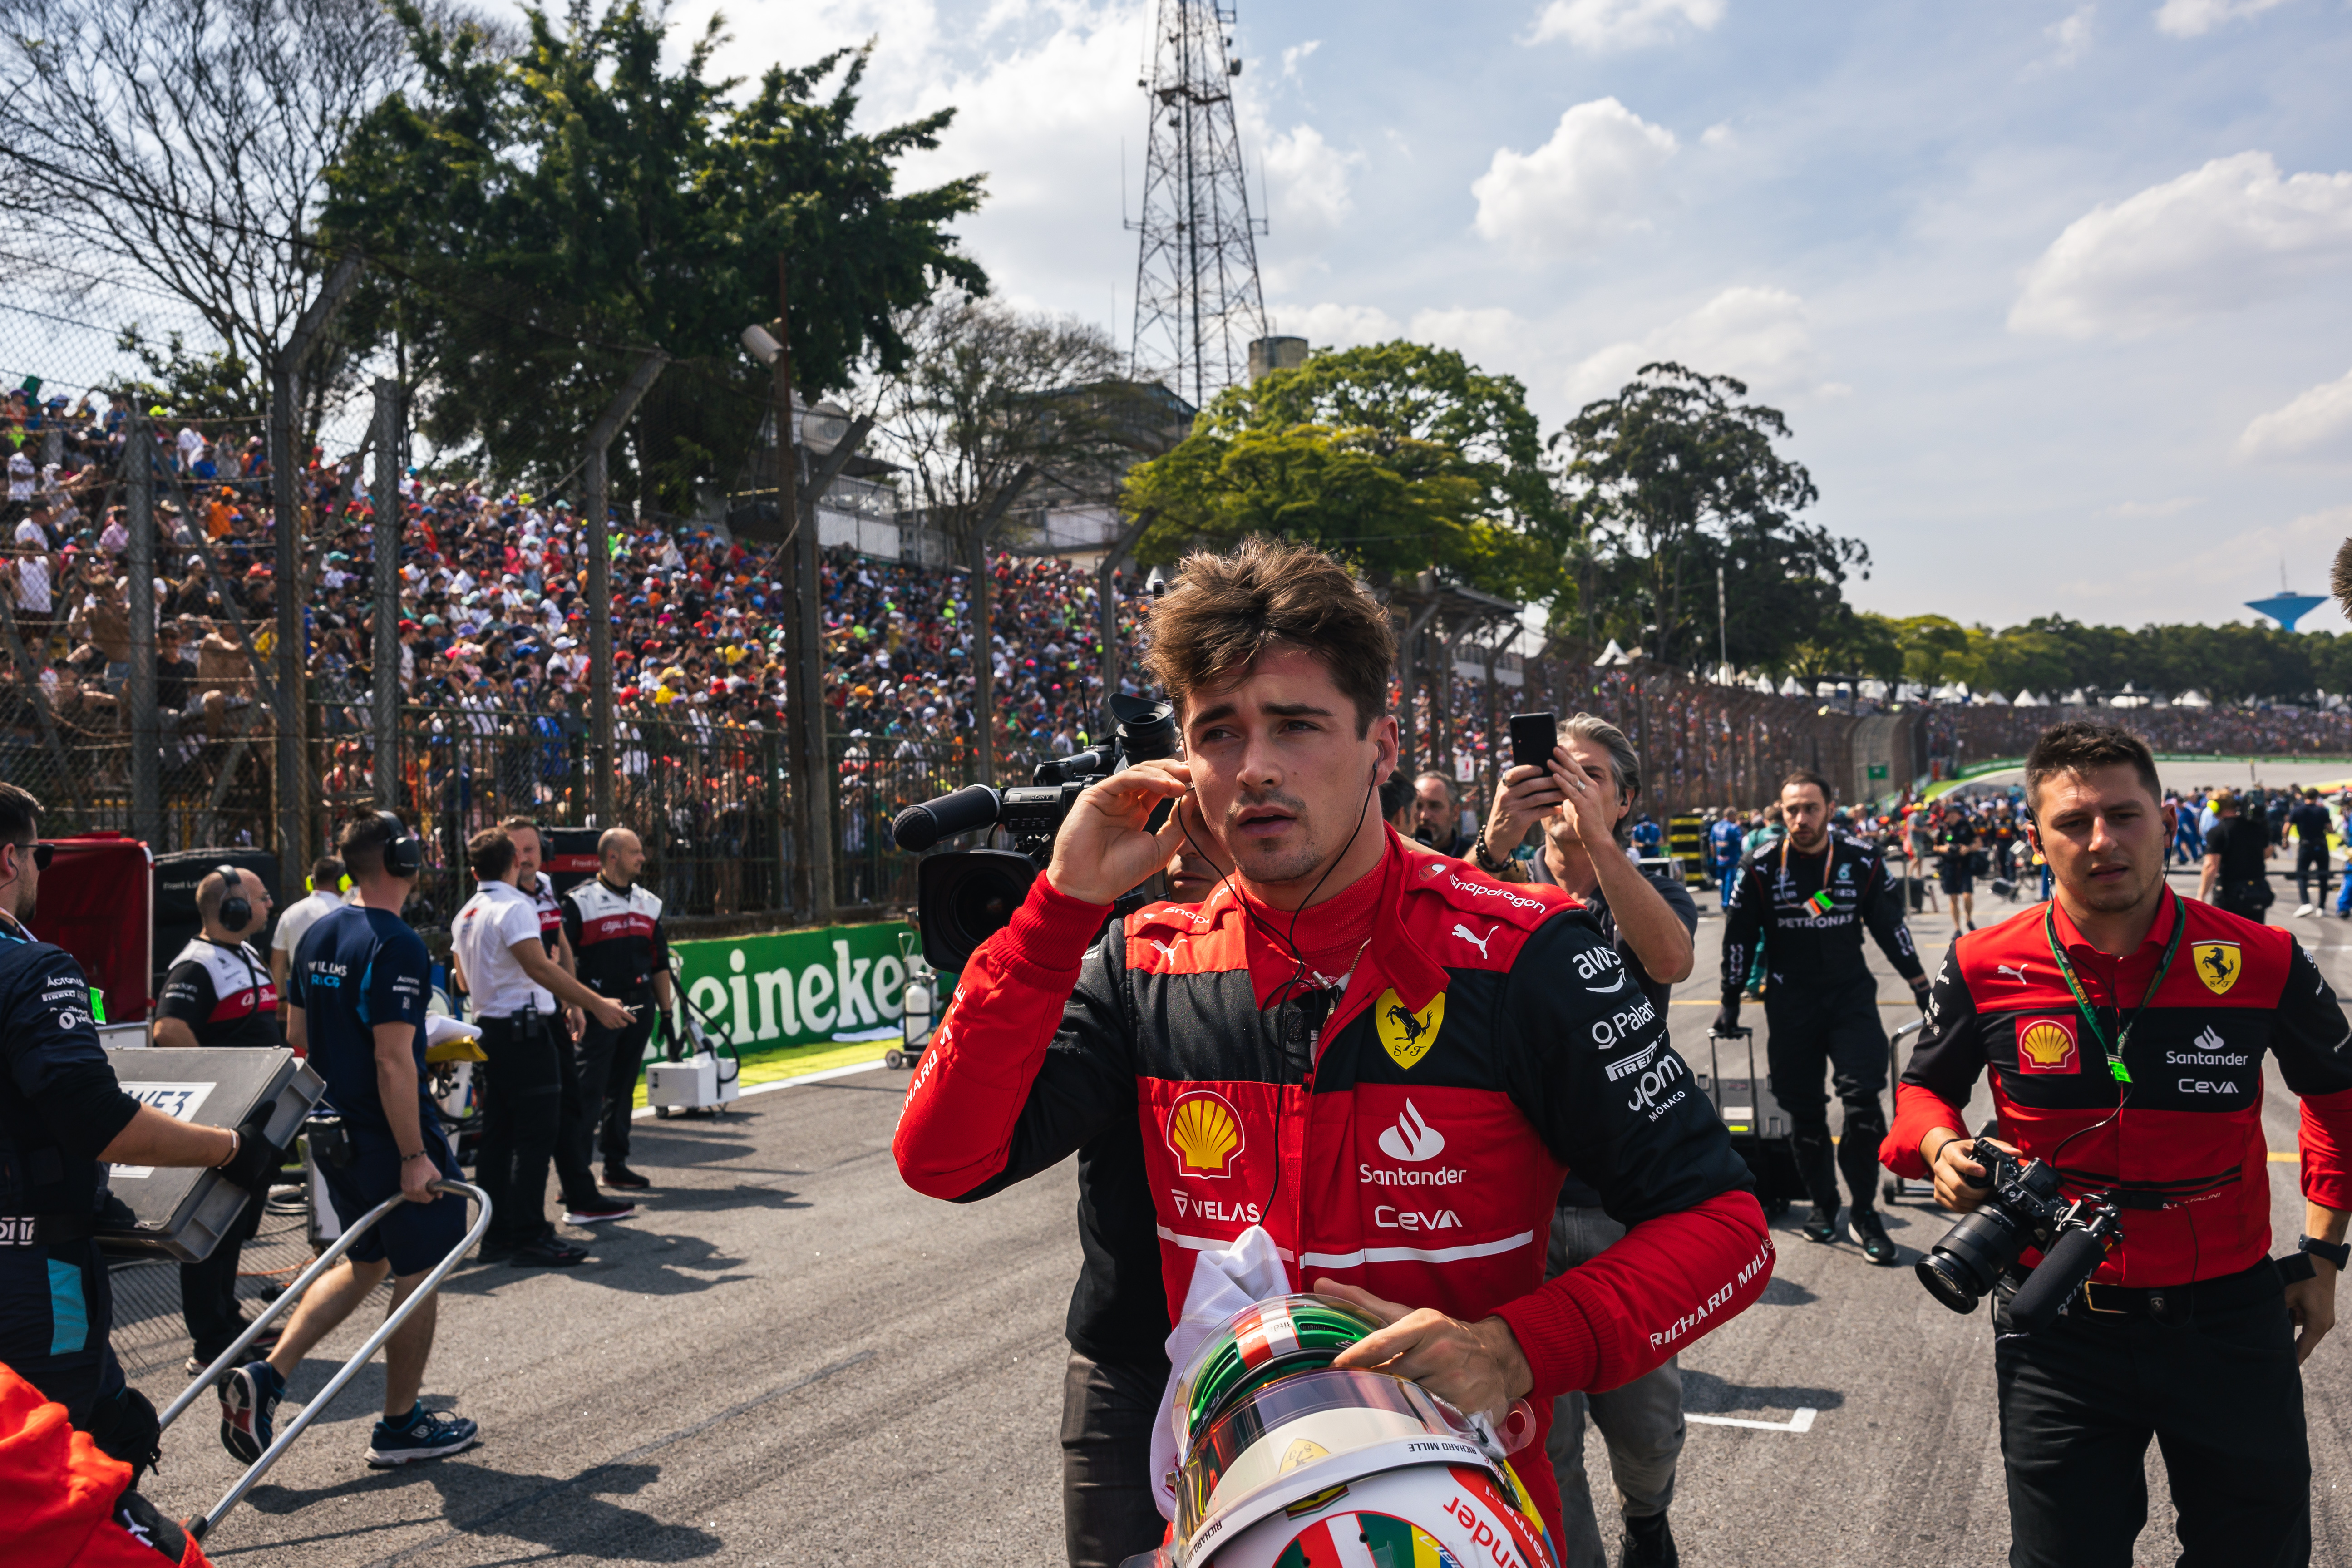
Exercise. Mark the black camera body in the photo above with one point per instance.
(965, 896)
(2024, 1208)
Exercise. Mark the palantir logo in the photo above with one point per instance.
(1411, 1140)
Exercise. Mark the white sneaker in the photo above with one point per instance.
(2302, 911)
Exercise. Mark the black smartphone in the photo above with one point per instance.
(1533, 736)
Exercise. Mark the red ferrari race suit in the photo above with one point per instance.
(1487, 1039)
(65, 1504)
(2185, 1157)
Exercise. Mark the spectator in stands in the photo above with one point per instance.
(1437, 814)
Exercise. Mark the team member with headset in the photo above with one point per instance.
(218, 996)
(1808, 897)
(515, 985)
(615, 927)
(294, 920)
(61, 1113)
(2125, 1028)
(356, 1004)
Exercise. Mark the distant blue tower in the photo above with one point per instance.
(2287, 609)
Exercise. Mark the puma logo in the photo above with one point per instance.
(1167, 949)
(2014, 971)
(1478, 942)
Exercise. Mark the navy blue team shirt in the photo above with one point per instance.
(356, 968)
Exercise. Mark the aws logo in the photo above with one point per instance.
(1404, 1034)
(2046, 1045)
(1204, 1134)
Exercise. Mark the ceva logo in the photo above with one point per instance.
(1411, 1140)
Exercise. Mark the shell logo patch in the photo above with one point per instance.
(1203, 1133)
(2046, 1045)
(2217, 964)
(1404, 1034)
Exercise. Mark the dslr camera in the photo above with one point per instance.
(2024, 1209)
(966, 894)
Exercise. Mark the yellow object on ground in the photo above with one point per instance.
(767, 1066)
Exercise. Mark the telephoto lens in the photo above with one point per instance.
(2062, 1271)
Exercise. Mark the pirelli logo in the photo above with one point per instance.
(1629, 1066)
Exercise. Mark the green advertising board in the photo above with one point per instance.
(836, 985)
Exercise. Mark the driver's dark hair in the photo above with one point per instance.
(361, 846)
(2081, 745)
(19, 814)
(1802, 776)
(1226, 610)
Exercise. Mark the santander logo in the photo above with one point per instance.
(1411, 1140)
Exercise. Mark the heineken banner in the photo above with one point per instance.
(801, 987)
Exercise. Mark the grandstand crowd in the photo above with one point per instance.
(493, 625)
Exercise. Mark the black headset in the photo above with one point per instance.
(236, 911)
(404, 854)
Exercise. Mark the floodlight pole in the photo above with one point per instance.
(139, 600)
(983, 664)
(385, 529)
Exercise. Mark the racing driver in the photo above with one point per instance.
(1383, 1056)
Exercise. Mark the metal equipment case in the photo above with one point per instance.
(182, 1212)
(1733, 1078)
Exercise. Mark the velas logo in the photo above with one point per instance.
(1413, 1139)
(1404, 1034)
(2216, 963)
(1204, 1134)
(2046, 1045)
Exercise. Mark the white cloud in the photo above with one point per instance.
(2171, 506)
(1757, 334)
(2071, 35)
(2188, 18)
(1493, 339)
(1719, 135)
(1334, 326)
(2225, 235)
(1295, 56)
(1591, 181)
(1623, 24)
(1309, 179)
(2317, 423)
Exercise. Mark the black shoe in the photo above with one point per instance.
(1820, 1224)
(1871, 1231)
(621, 1177)
(547, 1253)
(1648, 1542)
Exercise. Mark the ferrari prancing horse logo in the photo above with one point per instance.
(2218, 963)
(1404, 1034)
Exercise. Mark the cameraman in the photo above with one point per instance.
(61, 1113)
(2183, 1333)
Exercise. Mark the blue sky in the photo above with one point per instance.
(2057, 298)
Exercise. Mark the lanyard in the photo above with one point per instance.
(2121, 1073)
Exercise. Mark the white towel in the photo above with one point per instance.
(1223, 1283)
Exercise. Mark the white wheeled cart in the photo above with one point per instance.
(203, 1523)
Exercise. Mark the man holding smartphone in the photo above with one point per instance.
(1580, 794)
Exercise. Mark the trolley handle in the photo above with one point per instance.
(201, 1526)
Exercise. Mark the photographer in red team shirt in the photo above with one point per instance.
(2125, 1028)
(1386, 1059)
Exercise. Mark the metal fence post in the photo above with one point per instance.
(385, 502)
(284, 479)
(596, 526)
(139, 596)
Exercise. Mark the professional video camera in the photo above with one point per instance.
(2025, 1209)
(966, 894)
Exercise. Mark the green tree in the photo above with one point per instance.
(1396, 458)
(1673, 479)
(540, 214)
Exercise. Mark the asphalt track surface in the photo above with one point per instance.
(788, 1358)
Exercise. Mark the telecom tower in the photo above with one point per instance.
(1198, 305)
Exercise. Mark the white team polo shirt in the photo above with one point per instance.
(496, 917)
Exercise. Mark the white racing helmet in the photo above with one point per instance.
(1316, 1467)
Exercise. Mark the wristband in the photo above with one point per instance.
(418, 1155)
(1941, 1147)
(1485, 858)
(235, 1147)
(2336, 1252)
